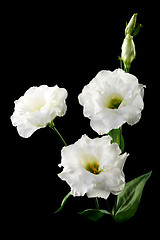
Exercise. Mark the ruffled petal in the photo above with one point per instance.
(93, 167)
(26, 129)
(98, 191)
(107, 120)
(96, 99)
(38, 107)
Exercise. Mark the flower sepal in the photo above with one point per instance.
(136, 30)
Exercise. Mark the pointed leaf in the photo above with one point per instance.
(117, 137)
(94, 214)
(128, 200)
(63, 202)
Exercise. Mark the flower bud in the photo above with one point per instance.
(128, 51)
(131, 25)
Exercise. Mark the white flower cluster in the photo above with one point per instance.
(95, 166)
(90, 166)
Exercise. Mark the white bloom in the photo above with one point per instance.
(39, 106)
(93, 167)
(111, 99)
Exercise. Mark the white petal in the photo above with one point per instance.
(76, 180)
(120, 160)
(107, 120)
(114, 180)
(98, 191)
(26, 129)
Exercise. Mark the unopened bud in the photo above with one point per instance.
(128, 51)
(131, 25)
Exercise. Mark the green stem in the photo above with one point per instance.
(96, 203)
(121, 63)
(52, 126)
(120, 131)
(108, 206)
(127, 69)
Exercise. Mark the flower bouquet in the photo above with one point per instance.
(94, 167)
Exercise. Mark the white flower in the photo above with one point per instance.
(93, 167)
(39, 106)
(111, 99)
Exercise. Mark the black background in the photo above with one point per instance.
(68, 44)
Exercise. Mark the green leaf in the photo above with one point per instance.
(117, 137)
(94, 214)
(128, 200)
(63, 202)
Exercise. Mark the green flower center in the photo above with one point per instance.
(93, 168)
(90, 163)
(114, 103)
